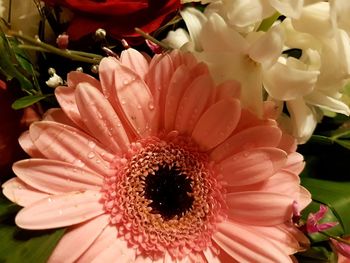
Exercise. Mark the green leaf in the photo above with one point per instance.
(27, 101)
(7, 208)
(336, 195)
(21, 56)
(267, 22)
(8, 63)
(344, 143)
(317, 254)
(18, 245)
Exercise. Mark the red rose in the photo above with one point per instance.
(117, 17)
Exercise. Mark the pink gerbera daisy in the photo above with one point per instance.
(154, 163)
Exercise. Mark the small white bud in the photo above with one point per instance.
(54, 81)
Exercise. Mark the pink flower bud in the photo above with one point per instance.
(62, 41)
(343, 249)
(156, 49)
(312, 225)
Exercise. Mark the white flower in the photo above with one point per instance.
(54, 81)
(316, 79)
(246, 15)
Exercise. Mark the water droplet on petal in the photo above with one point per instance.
(91, 144)
(79, 163)
(123, 102)
(91, 155)
(151, 106)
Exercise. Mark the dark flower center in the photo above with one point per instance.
(170, 192)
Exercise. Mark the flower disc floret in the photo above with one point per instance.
(153, 232)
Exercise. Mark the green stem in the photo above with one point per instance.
(92, 59)
(74, 52)
(336, 238)
(152, 39)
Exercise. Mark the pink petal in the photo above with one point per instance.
(304, 198)
(72, 245)
(259, 208)
(159, 75)
(106, 71)
(66, 98)
(251, 166)
(288, 143)
(65, 143)
(118, 249)
(321, 212)
(194, 102)
(179, 82)
(104, 240)
(61, 210)
(343, 249)
(142, 259)
(282, 237)
(135, 100)
(99, 116)
(312, 224)
(259, 136)
(282, 182)
(76, 77)
(134, 60)
(217, 123)
(55, 177)
(28, 146)
(20, 193)
(295, 163)
(158, 78)
(58, 115)
(246, 245)
(210, 256)
(249, 120)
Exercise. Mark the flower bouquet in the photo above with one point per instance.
(175, 131)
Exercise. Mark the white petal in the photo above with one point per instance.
(217, 36)
(243, 13)
(289, 8)
(284, 82)
(321, 100)
(315, 20)
(268, 47)
(176, 39)
(303, 118)
(194, 20)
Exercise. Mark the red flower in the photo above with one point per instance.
(117, 17)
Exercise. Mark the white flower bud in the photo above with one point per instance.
(54, 81)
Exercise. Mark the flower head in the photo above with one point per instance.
(312, 224)
(155, 162)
